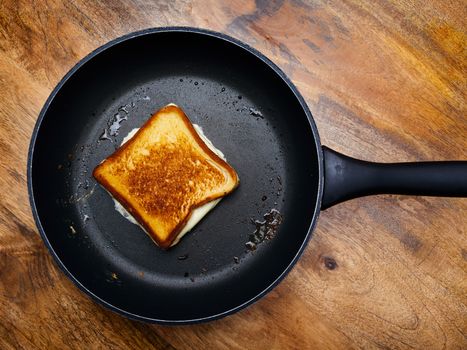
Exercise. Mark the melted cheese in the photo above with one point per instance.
(197, 213)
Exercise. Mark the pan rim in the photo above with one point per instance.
(230, 40)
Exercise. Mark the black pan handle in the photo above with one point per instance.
(346, 178)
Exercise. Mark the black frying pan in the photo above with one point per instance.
(254, 114)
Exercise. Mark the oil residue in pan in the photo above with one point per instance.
(265, 229)
(113, 126)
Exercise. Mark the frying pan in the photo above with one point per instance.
(251, 111)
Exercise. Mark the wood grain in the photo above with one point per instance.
(385, 80)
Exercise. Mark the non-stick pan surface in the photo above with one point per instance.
(246, 107)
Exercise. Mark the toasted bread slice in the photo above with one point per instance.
(163, 173)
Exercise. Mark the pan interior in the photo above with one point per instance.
(244, 108)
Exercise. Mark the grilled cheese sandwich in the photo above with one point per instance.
(166, 176)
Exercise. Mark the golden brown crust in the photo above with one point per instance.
(162, 187)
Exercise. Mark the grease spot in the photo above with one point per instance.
(104, 135)
(266, 229)
(256, 113)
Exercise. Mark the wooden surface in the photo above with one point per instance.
(385, 80)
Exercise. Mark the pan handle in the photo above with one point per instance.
(346, 178)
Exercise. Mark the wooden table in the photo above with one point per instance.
(386, 81)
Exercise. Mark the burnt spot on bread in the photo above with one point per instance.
(162, 185)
